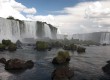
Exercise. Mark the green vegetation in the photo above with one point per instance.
(70, 47)
(86, 42)
(41, 45)
(62, 57)
(10, 17)
(6, 42)
(2, 47)
(56, 44)
(7, 45)
(12, 47)
(77, 42)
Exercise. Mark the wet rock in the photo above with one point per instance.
(17, 64)
(108, 62)
(2, 47)
(54, 61)
(12, 47)
(49, 48)
(106, 68)
(19, 44)
(29, 64)
(3, 60)
(81, 49)
(62, 73)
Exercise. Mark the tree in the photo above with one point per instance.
(10, 17)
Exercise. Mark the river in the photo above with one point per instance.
(87, 66)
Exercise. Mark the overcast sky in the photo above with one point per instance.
(70, 16)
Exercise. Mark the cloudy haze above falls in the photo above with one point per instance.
(70, 16)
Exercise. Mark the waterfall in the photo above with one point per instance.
(58, 31)
(105, 38)
(47, 31)
(9, 29)
(30, 29)
(99, 37)
(19, 30)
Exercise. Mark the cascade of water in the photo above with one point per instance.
(19, 30)
(58, 31)
(105, 38)
(47, 31)
(9, 29)
(5, 29)
(102, 38)
(30, 29)
(15, 30)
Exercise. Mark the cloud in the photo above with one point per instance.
(6, 10)
(16, 5)
(84, 17)
(13, 8)
(30, 10)
(21, 7)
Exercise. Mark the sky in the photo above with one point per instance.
(69, 16)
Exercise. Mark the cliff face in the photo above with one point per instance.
(16, 29)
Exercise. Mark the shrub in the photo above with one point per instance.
(10, 17)
(56, 44)
(6, 42)
(70, 47)
(2, 47)
(62, 57)
(12, 47)
(41, 45)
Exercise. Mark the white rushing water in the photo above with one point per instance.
(47, 31)
(101, 37)
(19, 30)
(9, 29)
(105, 38)
(30, 29)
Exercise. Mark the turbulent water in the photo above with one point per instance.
(15, 29)
(87, 66)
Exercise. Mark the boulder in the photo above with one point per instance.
(29, 64)
(12, 47)
(3, 60)
(49, 48)
(2, 47)
(41, 45)
(106, 68)
(62, 57)
(62, 73)
(19, 44)
(81, 49)
(108, 62)
(17, 64)
(6, 42)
